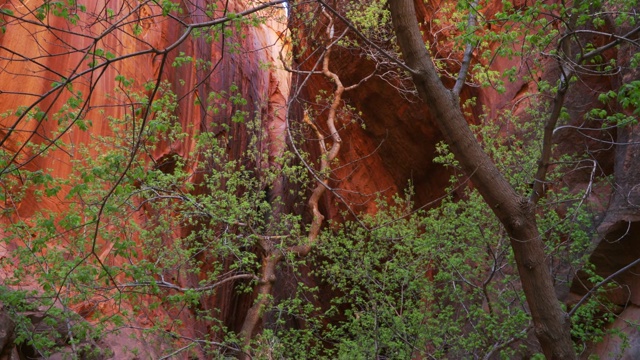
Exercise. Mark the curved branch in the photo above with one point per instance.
(168, 285)
(327, 155)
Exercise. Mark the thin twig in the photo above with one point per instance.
(600, 284)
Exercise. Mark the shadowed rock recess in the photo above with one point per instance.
(387, 146)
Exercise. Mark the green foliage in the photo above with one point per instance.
(369, 17)
(629, 96)
(4, 14)
(169, 6)
(67, 10)
(440, 282)
(98, 251)
(628, 99)
(590, 320)
(416, 283)
(513, 145)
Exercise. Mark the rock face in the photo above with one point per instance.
(616, 246)
(105, 55)
(387, 144)
(406, 147)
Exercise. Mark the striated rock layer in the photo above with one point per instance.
(137, 46)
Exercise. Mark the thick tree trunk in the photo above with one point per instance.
(514, 212)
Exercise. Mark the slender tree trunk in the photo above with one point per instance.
(273, 255)
(515, 212)
(265, 285)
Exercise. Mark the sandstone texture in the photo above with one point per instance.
(33, 59)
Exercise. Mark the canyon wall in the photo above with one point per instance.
(108, 56)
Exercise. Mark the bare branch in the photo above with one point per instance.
(601, 284)
(164, 284)
(617, 40)
(468, 51)
(364, 38)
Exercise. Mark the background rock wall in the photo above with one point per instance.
(33, 58)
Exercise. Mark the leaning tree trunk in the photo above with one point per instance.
(515, 212)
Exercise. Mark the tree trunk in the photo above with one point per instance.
(515, 212)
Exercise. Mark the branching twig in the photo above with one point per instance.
(364, 38)
(164, 284)
(601, 284)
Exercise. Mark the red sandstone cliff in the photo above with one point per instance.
(109, 50)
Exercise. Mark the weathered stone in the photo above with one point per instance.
(7, 330)
(627, 346)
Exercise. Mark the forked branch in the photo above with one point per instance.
(567, 72)
(273, 253)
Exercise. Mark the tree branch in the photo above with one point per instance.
(514, 212)
(468, 51)
(348, 23)
(600, 284)
(162, 283)
(566, 74)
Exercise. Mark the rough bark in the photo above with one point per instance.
(514, 211)
(264, 288)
